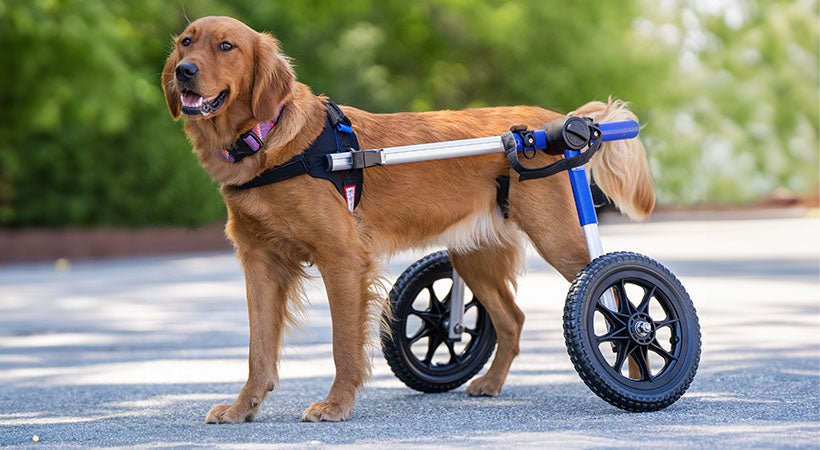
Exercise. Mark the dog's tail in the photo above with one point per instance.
(621, 169)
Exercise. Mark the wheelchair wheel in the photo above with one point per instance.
(643, 355)
(418, 348)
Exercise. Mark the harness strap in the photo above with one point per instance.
(524, 173)
(336, 116)
(337, 135)
(295, 167)
(502, 195)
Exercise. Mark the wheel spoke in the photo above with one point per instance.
(471, 331)
(655, 347)
(428, 317)
(432, 345)
(422, 332)
(453, 356)
(614, 335)
(613, 318)
(624, 305)
(665, 323)
(647, 296)
(435, 303)
(641, 360)
(624, 350)
(470, 304)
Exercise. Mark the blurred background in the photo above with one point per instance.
(727, 90)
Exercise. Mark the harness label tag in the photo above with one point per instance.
(350, 196)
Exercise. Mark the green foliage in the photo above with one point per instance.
(85, 137)
(741, 119)
(389, 56)
(727, 90)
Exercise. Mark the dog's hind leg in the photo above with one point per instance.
(490, 274)
(545, 210)
(271, 283)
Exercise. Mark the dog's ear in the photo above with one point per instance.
(169, 87)
(273, 78)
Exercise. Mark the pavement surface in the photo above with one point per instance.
(135, 352)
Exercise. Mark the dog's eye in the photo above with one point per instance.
(226, 46)
(185, 42)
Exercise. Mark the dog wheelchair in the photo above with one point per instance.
(630, 328)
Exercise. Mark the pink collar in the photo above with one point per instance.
(251, 141)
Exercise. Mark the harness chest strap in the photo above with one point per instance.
(337, 135)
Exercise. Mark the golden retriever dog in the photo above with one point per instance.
(226, 78)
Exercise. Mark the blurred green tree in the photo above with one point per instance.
(84, 139)
(738, 118)
(727, 89)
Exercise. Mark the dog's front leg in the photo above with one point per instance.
(347, 278)
(268, 282)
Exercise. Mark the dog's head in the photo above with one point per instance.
(220, 64)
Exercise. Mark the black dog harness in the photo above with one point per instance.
(337, 136)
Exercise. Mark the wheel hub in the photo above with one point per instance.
(444, 327)
(641, 328)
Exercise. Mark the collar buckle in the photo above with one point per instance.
(254, 139)
(247, 144)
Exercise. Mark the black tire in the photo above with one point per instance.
(432, 373)
(600, 341)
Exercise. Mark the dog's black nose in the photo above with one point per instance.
(186, 71)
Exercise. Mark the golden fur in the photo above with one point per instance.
(277, 229)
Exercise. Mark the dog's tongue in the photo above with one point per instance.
(191, 99)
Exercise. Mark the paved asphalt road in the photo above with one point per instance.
(135, 352)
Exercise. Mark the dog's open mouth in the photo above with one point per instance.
(194, 104)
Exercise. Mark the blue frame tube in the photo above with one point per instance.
(589, 220)
(610, 131)
(580, 190)
(613, 131)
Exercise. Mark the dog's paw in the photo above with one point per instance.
(484, 387)
(229, 414)
(326, 412)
